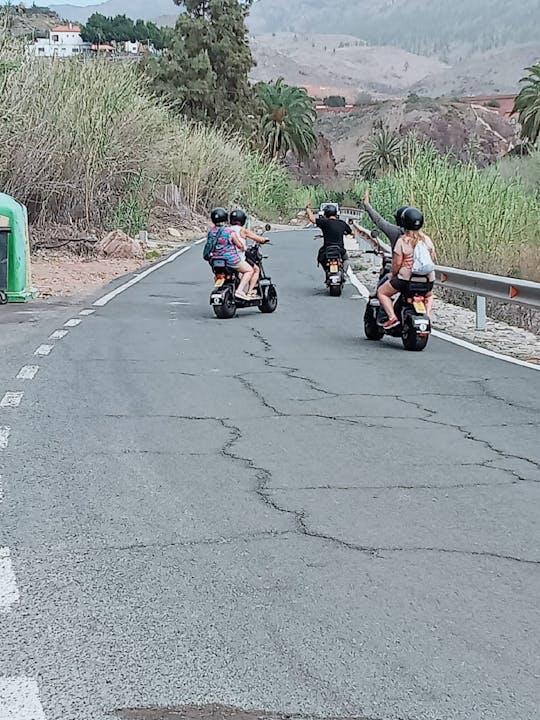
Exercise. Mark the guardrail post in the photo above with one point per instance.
(480, 312)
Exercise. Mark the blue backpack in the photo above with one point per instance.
(212, 240)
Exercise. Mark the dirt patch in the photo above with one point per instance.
(62, 275)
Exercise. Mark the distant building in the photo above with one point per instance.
(63, 41)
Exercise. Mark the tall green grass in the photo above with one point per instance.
(86, 142)
(478, 221)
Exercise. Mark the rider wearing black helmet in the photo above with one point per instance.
(403, 263)
(238, 220)
(392, 232)
(333, 230)
(228, 245)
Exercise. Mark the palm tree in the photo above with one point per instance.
(382, 153)
(287, 119)
(527, 104)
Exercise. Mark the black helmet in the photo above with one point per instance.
(238, 217)
(330, 211)
(219, 215)
(399, 214)
(412, 219)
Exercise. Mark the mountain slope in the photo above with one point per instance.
(447, 29)
(450, 30)
(133, 8)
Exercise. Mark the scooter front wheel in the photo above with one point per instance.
(270, 300)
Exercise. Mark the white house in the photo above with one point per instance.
(63, 41)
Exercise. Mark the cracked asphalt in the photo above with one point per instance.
(270, 512)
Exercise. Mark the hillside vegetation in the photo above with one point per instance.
(114, 146)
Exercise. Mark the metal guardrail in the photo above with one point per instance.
(514, 290)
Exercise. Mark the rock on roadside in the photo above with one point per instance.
(117, 244)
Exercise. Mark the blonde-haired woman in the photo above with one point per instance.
(412, 221)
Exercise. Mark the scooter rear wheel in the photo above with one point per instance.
(412, 340)
(227, 309)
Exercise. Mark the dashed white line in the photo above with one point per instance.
(5, 432)
(9, 592)
(58, 334)
(11, 399)
(19, 699)
(73, 322)
(28, 372)
(134, 280)
(87, 312)
(43, 350)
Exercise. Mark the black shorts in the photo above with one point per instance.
(399, 284)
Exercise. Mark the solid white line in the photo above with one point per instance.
(28, 372)
(483, 351)
(364, 292)
(134, 280)
(5, 432)
(19, 699)
(43, 350)
(11, 399)
(58, 334)
(87, 312)
(362, 289)
(73, 322)
(9, 594)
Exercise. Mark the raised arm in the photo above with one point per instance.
(311, 214)
(391, 231)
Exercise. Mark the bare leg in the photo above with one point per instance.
(385, 294)
(430, 299)
(254, 278)
(247, 271)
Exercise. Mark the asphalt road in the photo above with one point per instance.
(268, 512)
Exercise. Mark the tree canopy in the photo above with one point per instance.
(102, 29)
(287, 119)
(205, 68)
(528, 104)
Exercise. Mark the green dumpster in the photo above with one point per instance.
(14, 231)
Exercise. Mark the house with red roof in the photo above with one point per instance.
(63, 41)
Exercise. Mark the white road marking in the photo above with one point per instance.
(87, 312)
(5, 432)
(483, 351)
(19, 699)
(58, 334)
(9, 593)
(11, 399)
(134, 280)
(364, 292)
(73, 322)
(28, 372)
(43, 350)
(362, 289)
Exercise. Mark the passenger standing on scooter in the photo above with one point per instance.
(403, 262)
(392, 232)
(237, 220)
(333, 230)
(230, 247)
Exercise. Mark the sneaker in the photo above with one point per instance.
(241, 295)
(392, 322)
